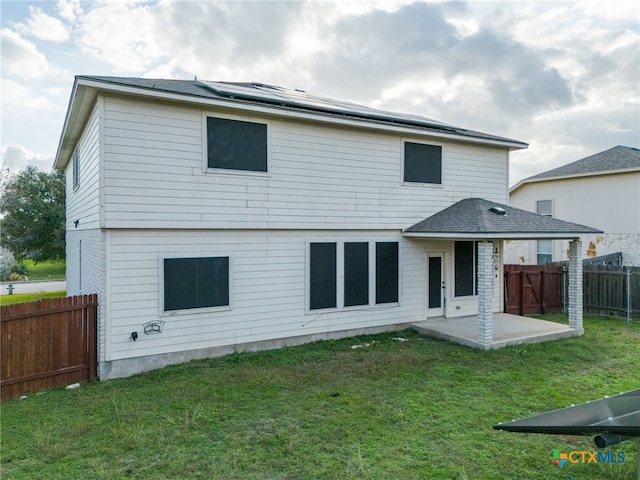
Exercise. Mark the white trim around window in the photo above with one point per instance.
(196, 310)
(415, 183)
(340, 274)
(230, 171)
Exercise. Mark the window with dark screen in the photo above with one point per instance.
(386, 272)
(196, 283)
(345, 274)
(236, 145)
(466, 255)
(356, 273)
(422, 163)
(322, 275)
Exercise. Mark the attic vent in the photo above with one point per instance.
(498, 211)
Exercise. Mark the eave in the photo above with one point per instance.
(493, 236)
(528, 181)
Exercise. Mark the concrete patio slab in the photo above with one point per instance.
(507, 330)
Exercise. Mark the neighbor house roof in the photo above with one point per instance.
(254, 97)
(615, 160)
(477, 218)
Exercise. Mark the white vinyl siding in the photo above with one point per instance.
(319, 176)
(86, 271)
(268, 283)
(609, 202)
(82, 183)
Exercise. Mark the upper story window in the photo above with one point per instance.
(422, 163)
(76, 169)
(236, 145)
(544, 207)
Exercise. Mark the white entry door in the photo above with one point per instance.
(435, 286)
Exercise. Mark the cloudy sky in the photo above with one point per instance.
(562, 76)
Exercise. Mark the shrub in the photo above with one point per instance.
(16, 277)
(20, 268)
(7, 262)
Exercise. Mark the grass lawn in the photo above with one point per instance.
(29, 297)
(45, 270)
(414, 409)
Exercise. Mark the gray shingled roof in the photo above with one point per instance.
(317, 104)
(616, 158)
(473, 218)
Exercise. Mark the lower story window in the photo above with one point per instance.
(349, 274)
(196, 283)
(466, 268)
(322, 275)
(386, 272)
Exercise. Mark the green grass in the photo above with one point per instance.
(29, 297)
(418, 409)
(45, 270)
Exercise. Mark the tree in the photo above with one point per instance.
(33, 205)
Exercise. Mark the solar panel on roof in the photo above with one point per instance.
(240, 91)
(619, 414)
(300, 99)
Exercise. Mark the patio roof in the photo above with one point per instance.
(477, 218)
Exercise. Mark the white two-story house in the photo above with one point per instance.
(212, 216)
(602, 189)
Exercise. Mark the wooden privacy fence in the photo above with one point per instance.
(608, 290)
(533, 289)
(47, 343)
(612, 291)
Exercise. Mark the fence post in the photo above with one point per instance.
(628, 270)
(542, 297)
(521, 292)
(564, 290)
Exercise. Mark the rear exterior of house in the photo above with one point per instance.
(209, 223)
(601, 190)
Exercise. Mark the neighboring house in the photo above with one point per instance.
(210, 217)
(601, 190)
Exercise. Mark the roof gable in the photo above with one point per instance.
(613, 160)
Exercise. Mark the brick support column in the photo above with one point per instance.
(575, 284)
(485, 292)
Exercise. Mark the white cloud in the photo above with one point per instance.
(44, 27)
(69, 9)
(17, 157)
(127, 36)
(21, 57)
(22, 99)
(560, 75)
(618, 10)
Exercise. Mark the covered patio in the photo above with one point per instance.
(487, 223)
(507, 330)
